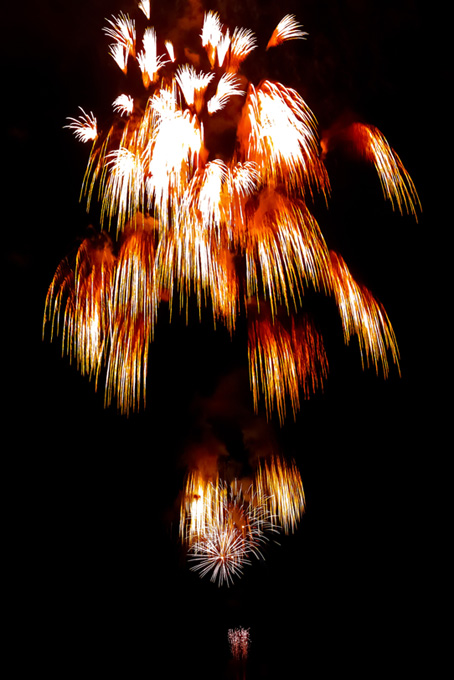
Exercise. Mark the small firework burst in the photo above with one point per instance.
(223, 526)
(124, 104)
(222, 553)
(85, 128)
(239, 641)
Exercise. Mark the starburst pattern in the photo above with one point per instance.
(223, 526)
(230, 225)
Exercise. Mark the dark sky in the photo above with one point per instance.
(98, 580)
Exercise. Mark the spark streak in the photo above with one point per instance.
(281, 485)
(287, 29)
(85, 128)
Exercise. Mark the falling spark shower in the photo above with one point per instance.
(183, 218)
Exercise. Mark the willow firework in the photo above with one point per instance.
(280, 486)
(230, 226)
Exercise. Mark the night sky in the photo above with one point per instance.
(99, 585)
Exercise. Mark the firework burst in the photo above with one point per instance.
(223, 526)
(231, 227)
(239, 641)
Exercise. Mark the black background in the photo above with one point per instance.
(97, 582)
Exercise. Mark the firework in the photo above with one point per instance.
(239, 641)
(87, 289)
(396, 183)
(124, 104)
(222, 553)
(149, 61)
(363, 316)
(144, 5)
(228, 226)
(85, 128)
(223, 526)
(281, 487)
(287, 29)
(122, 30)
(283, 363)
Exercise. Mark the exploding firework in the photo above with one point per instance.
(229, 226)
(223, 526)
(239, 641)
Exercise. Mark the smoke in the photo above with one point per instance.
(188, 25)
(228, 438)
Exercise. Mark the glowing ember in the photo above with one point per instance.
(230, 226)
